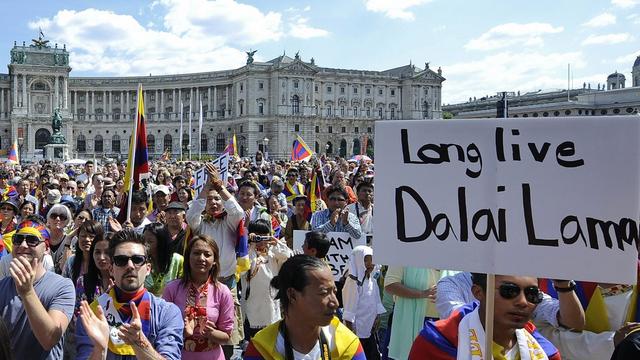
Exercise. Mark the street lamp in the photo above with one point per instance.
(265, 143)
(20, 143)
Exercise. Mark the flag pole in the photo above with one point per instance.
(190, 134)
(200, 132)
(488, 318)
(181, 128)
(134, 138)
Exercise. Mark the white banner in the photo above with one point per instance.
(553, 197)
(339, 251)
(201, 176)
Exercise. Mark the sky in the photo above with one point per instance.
(482, 46)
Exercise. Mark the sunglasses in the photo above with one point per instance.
(337, 199)
(62, 217)
(123, 260)
(32, 240)
(511, 291)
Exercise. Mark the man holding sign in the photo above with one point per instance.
(514, 336)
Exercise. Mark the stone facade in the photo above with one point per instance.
(266, 104)
(615, 100)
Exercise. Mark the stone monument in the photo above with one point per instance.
(57, 148)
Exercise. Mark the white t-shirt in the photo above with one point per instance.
(315, 353)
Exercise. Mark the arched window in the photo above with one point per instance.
(425, 110)
(81, 144)
(295, 104)
(151, 144)
(356, 146)
(116, 114)
(42, 138)
(115, 144)
(317, 148)
(168, 143)
(98, 144)
(329, 148)
(185, 142)
(221, 142)
(203, 142)
(343, 148)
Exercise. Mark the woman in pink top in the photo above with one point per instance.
(206, 304)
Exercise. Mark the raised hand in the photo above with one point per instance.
(131, 333)
(23, 274)
(95, 325)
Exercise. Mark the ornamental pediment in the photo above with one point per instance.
(428, 75)
(299, 67)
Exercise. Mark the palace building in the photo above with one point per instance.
(266, 104)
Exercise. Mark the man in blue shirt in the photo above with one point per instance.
(336, 218)
(129, 322)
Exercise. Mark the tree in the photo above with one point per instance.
(447, 115)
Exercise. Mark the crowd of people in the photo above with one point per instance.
(89, 271)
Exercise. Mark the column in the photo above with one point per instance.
(191, 100)
(175, 107)
(24, 89)
(161, 112)
(157, 105)
(65, 86)
(15, 90)
(196, 105)
(227, 107)
(56, 94)
(180, 105)
(93, 104)
(122, 108)
(209, 101)
(75, 103)
(128, 109)
(110, 116)
(1, 103)
(215, 102)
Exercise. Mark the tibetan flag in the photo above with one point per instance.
(138, 160)
(300, 150)
(13, 153)
(232, 148)
(165, 155)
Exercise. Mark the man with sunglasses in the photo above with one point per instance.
(36, 304)
(514, 336)
(129, 322)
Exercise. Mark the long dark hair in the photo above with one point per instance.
(294, 274)
(163, 245)
(91, 279)
(215, 269)
(93, 228)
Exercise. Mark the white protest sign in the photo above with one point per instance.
(201, 176)
(553, 197)
(339, 251)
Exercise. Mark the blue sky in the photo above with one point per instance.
(482, 46)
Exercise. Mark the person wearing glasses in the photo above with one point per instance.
(337, 216)
(23, 188)
(36, 304)
(514, 335)
(129, 322)
(8, 213)
(58, 218)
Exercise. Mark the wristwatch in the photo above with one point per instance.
(570, 288)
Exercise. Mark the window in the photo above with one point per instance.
(168, 143)
(368, 111)
(241, 87)
(315, 88)
(342, 90)
(221, 142)
(356, 130)
(151, 144)
(241, 108)
(329, 89)
(344, 129)
(260, 108)
(115, 143)
(380, 113)
(296, 127)
(368, 91)
(369, 130)
(317, 129)
(393, 92)
(241, 128)
(342, 111)
(355, 111)
(330, 129)
(295, 104)
(260, 85)
(355, 90)
(81, 144)
(98, 144)
(393, 113)
(295, 84)
(379, 91)
(260, 128)
(329, 110)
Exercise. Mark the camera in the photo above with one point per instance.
(259, 238)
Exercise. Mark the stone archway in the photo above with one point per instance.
(42, 138)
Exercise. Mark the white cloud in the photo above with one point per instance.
(300, 29)
(601, 20)
(191, 36)
(394, 9)
(607, 39)
(509, 34)
(625, 4)
(634, 18)
(509, 71)
(628, 59)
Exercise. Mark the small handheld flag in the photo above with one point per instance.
(300, 150)
(13, 153)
